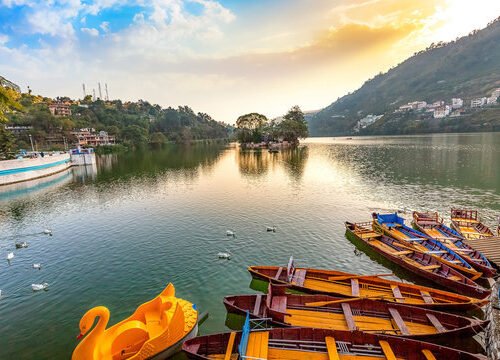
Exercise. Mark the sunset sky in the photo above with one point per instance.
(226, 57)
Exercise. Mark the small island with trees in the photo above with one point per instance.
(255, 131)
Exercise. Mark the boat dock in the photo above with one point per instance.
(490, 247)
(493, 329)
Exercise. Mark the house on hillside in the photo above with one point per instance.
(479, 102)
(456, 103)
(441, 112)
(89, 137)
(60, 109)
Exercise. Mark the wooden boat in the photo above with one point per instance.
(394, 226)
(328, 312)
(338, 283)
(431, 225)
(315, 344)
(468, 224)
(422, 264)
(156, 330)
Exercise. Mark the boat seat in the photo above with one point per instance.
(346, 309)
(428, 354)
(354, 287)
(299, 277)
(278, 303)
(258, 345)
(153, 323)
(278, 273)
(427, 297)
(396, 316)
(230, 345)
(436, 323)
(387, 350)
(258, 301)
(331, 347)
(397, 293)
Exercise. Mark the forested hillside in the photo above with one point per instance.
(467, 68)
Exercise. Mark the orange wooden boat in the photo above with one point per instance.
(430, 224)
(316, 344)
(335, 313)
(468, 224)
(338, 283)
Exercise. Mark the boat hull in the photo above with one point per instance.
(243, 304)
(304, 343)
(177, 347)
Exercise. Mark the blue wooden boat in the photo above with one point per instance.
(430, 224)
(394, 226)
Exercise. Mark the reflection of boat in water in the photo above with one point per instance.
(36, 186)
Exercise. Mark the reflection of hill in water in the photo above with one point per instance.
(176, 160)
(254, 164)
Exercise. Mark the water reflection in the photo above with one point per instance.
(257, 163)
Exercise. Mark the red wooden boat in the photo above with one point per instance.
(316, 344)
(420, 263)
(338, 283)
(328, 312)
(430, 224)
(468, 224)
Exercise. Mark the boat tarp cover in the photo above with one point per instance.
(390, 219)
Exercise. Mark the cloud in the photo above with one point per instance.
(104, 26)
(90, 31)
(3, 39)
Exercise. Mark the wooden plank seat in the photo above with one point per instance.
(437, 324)
(397, 293)
(277, 276)
(354, 287)
(278, 303)
(258, 345)
(299, 277)
(428, 354)
(258, 301)
(427, 297)
(331, 347)
(346, 309)
(396, 316)
(387, 350)
(230, 345)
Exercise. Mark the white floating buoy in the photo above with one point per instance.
(230, 233)
(37, 266)
(10, 256)
(224, 255)
(38, 287)
(271, 228)
(47, 231)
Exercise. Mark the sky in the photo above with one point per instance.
(222, 57)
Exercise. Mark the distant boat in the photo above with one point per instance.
(317, 344)
(467, 224)
(338, 283)
(419, 263)
(431, 225)
(394, 226)
(336, 313)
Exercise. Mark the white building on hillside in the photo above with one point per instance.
(441, 112)
(457, 103)
(475, 103)
(494, 97)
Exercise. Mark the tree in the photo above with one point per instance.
(250, 127)
(7, 142)
(8, 102)
(134, 135)
(294, 125)
(158, 139)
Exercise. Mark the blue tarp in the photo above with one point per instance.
(245, 333)
(390, 219)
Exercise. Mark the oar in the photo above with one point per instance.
(348, 277)
(323, 303)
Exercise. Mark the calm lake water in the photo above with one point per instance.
(124, 229)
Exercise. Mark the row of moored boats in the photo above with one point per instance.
(338, 315)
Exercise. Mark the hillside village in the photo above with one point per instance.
(437, 110)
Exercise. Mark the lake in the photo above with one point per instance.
(125, 228)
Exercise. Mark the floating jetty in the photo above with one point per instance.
(490, 247)
(492, 311)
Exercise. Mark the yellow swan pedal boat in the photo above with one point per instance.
(155, 330)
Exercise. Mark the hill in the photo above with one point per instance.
(467, 68)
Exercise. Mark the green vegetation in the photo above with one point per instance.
(468, 67)
(8, 103)
(135, 124)
(257, 128)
